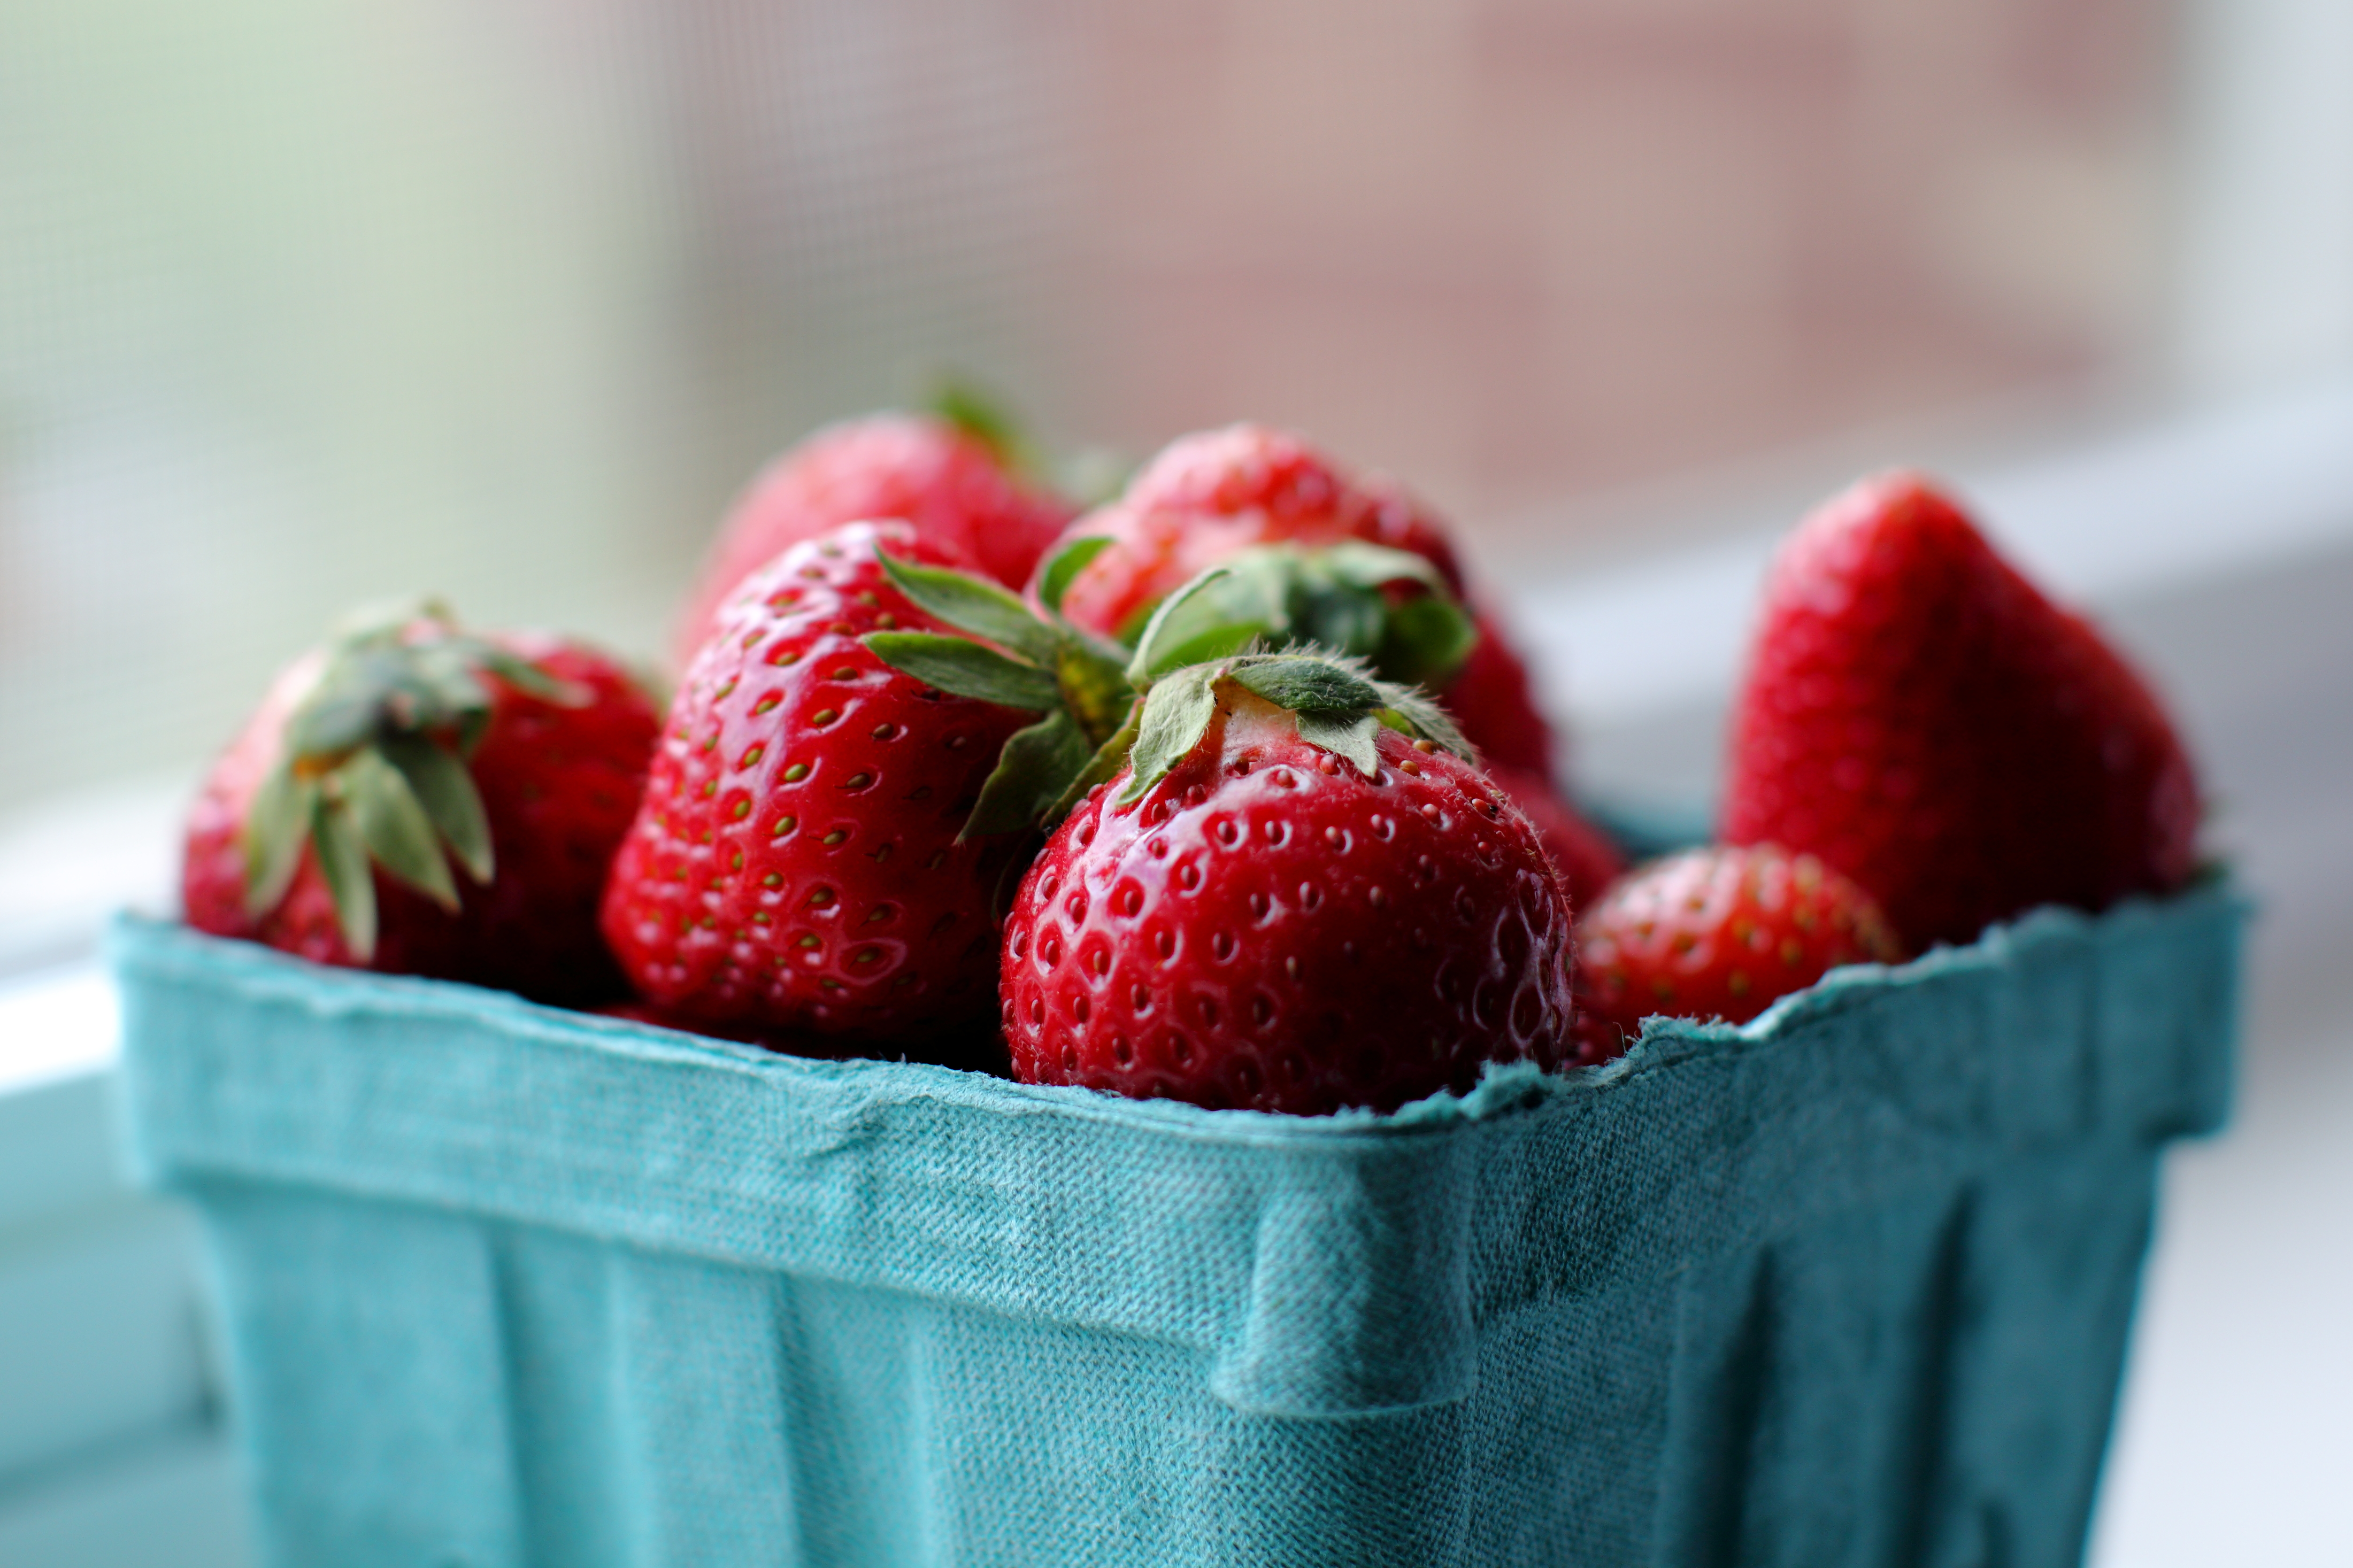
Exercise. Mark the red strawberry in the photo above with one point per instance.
(1923, 719)
(1717, 933)
(1588, 862)
(356, 757)
(1281, 905)
(1208, 497)
(796, 864)
(946, 482)
(1211, 495)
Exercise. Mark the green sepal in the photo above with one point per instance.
(1177, 714)
(1346, 620)
(1335, 706)
(446, 789)
(363, 686)
(1032, 772)
(392, 824)
(974, 604)
(1361, 564)
(398, 687)
(1350, 736)
(965, 668)
(343, 862)
(528, 678)
(1203, 638)
(1414, 712)
(1094, 686)
(982, 415)
(1307, 683)
(277, 825)
(1062, 568)
(1154, 644)
(1337, 596)
(1425, 641)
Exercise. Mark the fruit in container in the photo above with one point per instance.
(1717, 932)
(1918, 715)
(1280, 902)
(418, 799)
(944, 480)
(1208, 497)
(799, 862)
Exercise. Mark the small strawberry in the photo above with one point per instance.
(822, 835)
(941, 476)
(1923, 719)
(1717, 933)
(1281, 904)
(329, 826)
(1208, 497)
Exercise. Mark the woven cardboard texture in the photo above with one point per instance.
(1849, 1285)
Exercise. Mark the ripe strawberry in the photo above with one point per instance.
(798, 862)
(1281, 905)
(1208, 497)
(1923, 719)
(937, 475)
(405, 743)
(1717, 933)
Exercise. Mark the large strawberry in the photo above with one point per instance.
(940, 475)
(330, 825)
(1209, 496)
(1923, 719)
(1281, 904)
(1718, 932)
(801, 861)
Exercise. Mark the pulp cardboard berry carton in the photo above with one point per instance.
(1847, 1284)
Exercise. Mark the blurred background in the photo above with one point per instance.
(304, 304)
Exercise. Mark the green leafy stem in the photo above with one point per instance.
(371, 770)
(1103, 705)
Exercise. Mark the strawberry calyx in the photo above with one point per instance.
(1103, 706)
(1390, 607)
(1015, 658)
(372, 773)
(1337, 705)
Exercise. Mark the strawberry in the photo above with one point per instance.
(941, 476)
(1279, 904)
(1209, 496)
(1719, 932)
(329, 826)
(800, 862)
(1919, 716)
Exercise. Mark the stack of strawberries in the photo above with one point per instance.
(1231, 791)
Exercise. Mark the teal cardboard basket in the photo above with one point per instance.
(1849, 1285)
